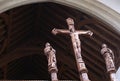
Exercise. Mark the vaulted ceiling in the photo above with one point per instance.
(26, 29)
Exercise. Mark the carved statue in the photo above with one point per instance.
(109, 60)
(52, 63)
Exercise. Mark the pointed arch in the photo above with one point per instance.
(91, 7)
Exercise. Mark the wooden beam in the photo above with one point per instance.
(18, 53)
(100, 36)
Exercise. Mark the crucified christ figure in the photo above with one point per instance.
(76, 46)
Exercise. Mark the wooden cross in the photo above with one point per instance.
(76, 46)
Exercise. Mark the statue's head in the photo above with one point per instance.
(70, 21)
(47, 44)
(104, 46)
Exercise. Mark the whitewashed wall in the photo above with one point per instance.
(114, 4)
(118, 74)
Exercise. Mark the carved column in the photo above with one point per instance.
(109, 60)
(52, 63)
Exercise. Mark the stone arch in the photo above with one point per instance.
(91, 7)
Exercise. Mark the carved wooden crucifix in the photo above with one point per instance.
(76, 46)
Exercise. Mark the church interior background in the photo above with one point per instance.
(24, 30)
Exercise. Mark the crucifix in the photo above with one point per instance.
(52, 63)
(109, 60)
(76, 46)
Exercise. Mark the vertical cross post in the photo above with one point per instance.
(76, 46)
(109, 60)
(52, 63)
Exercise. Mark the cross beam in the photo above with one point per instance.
(76, 46)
